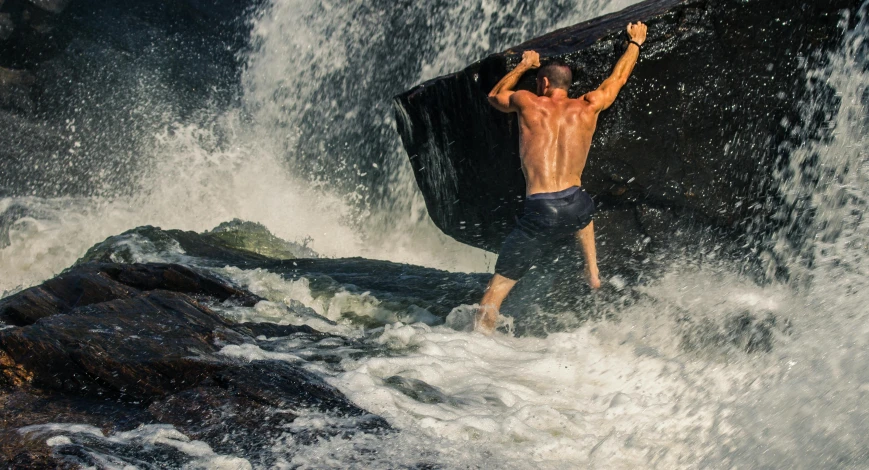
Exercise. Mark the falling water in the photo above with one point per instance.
(311, 152)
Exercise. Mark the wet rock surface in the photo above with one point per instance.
(435, 290)
(694, 135)
(123, 346)
(94, 283)
(232, 242)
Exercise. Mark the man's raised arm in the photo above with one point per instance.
(605, 95)
(499, 97)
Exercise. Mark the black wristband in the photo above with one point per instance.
(635, 43)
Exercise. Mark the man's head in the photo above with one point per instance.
(553, 75)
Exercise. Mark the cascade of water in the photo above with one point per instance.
(311, 151)
(824, 185)
(321, 77)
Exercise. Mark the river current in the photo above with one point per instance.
(643, 389)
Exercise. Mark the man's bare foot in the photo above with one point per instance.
(485, 321)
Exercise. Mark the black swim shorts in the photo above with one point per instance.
(550, 220)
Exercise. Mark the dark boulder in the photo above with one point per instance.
(137, 348)
(95, 283)
(237, 242)
(694, 135)
(15, 87)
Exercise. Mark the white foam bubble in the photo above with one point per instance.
(202, 456)
(284, 296)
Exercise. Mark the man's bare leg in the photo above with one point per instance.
(586, 242)
(497, 290)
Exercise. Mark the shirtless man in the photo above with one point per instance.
(554, 138)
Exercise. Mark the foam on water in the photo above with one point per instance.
(670, 384)
(295, 302)
(98, 448)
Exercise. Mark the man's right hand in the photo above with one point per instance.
(531, 59)
(637, 32)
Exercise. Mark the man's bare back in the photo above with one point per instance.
(554, 139)
(555, 134)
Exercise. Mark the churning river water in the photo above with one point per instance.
(643, 390)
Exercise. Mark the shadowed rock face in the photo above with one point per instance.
(692, 138)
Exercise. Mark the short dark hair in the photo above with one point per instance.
(558, 73)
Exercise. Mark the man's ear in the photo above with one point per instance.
(546, 84)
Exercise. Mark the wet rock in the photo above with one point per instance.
(134, 349)
(120, 346)
(419, 390)
(215, 414)
(271, 330)
(242, 409)
(28, 406)
(255, 237)
(435, 290)
(12, 374)
(402, 285)
(238, 242)
(150, 241)
(740, 331)
(696, 130)
(286, 386)
(97, 283)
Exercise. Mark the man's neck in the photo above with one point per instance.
(556, 93)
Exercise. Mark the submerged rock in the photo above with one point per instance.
(15, 87)
(6, 26)
(104, 339)
(694, 134)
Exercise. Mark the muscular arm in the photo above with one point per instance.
(606, 94)
(501, 95)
